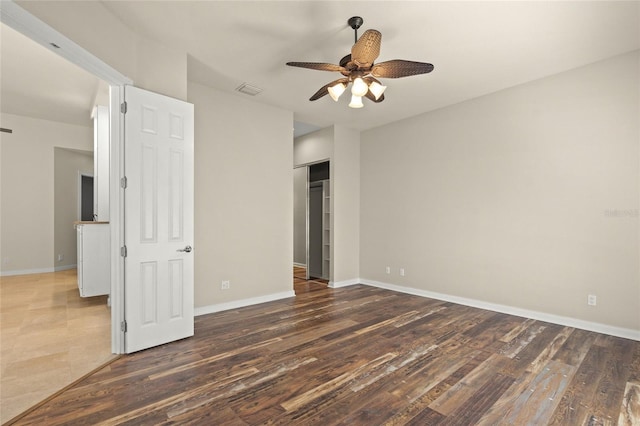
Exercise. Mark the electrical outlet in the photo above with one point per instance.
(225, 285)
(592, 300)
(60, 257)
(388, 269)
(402, 272)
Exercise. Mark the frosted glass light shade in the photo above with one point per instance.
(336, 90)
(377, 89)
(359, 87)
(356, 102)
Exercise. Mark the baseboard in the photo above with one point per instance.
(36, 271)
(301, 265)
(65, 268)
(345, 283)
(236, 304)
(26, 272)
(536, 315)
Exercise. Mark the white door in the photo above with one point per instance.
(158, 225)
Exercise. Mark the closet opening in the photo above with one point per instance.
(319, 222)
(312, 226)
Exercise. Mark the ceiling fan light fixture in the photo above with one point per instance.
(360, 69)
(356, 102)
(377, 89)
(359, 87)
(336, 90)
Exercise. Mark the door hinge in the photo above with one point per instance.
(123, 326)
(123, 107)
(123, 182)
(123, 251)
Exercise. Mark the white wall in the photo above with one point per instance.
(243, 197)
(68, 165)
(91, 25)
(27, 189)
(527, 197)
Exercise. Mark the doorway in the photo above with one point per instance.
(86, 197)
(312, 224)
(63, 283)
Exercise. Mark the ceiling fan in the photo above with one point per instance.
(359, 69)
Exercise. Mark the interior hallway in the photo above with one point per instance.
(302, 285)
(49, 337)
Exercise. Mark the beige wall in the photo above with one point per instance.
(68, 165)
(346, 209)
(243, 197)
(313, 147)
(27, 189)
(527, 197)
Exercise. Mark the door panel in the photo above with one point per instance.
(158, 219)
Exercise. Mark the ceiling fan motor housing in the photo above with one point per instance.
(355, 22)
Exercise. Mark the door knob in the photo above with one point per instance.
(186, 249)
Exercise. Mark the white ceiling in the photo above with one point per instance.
(38, 83)
(477, 47)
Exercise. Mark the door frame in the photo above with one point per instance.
(306, 214)
(32, 27)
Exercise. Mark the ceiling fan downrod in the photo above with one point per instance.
(355, 22)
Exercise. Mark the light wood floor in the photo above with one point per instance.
(49, 337)
(363, 356)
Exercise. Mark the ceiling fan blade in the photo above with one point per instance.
(399, 68)
(316, 66)
(366, 49)
(372, 97)
(324, 90)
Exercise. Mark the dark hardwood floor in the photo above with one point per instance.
(363, 356)
(302, 285)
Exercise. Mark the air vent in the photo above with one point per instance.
(248, 89)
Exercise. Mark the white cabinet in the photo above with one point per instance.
(94, 266)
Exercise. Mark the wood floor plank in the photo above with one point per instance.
(538, 402)
(572, 408)
(514, 332)
(362, 356)
(630, 410)
(460, 393)
(523, 383)
(605, 405)
(634, 368)
(469, 412)
(575, 347)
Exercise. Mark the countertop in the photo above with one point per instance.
(89, 222)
